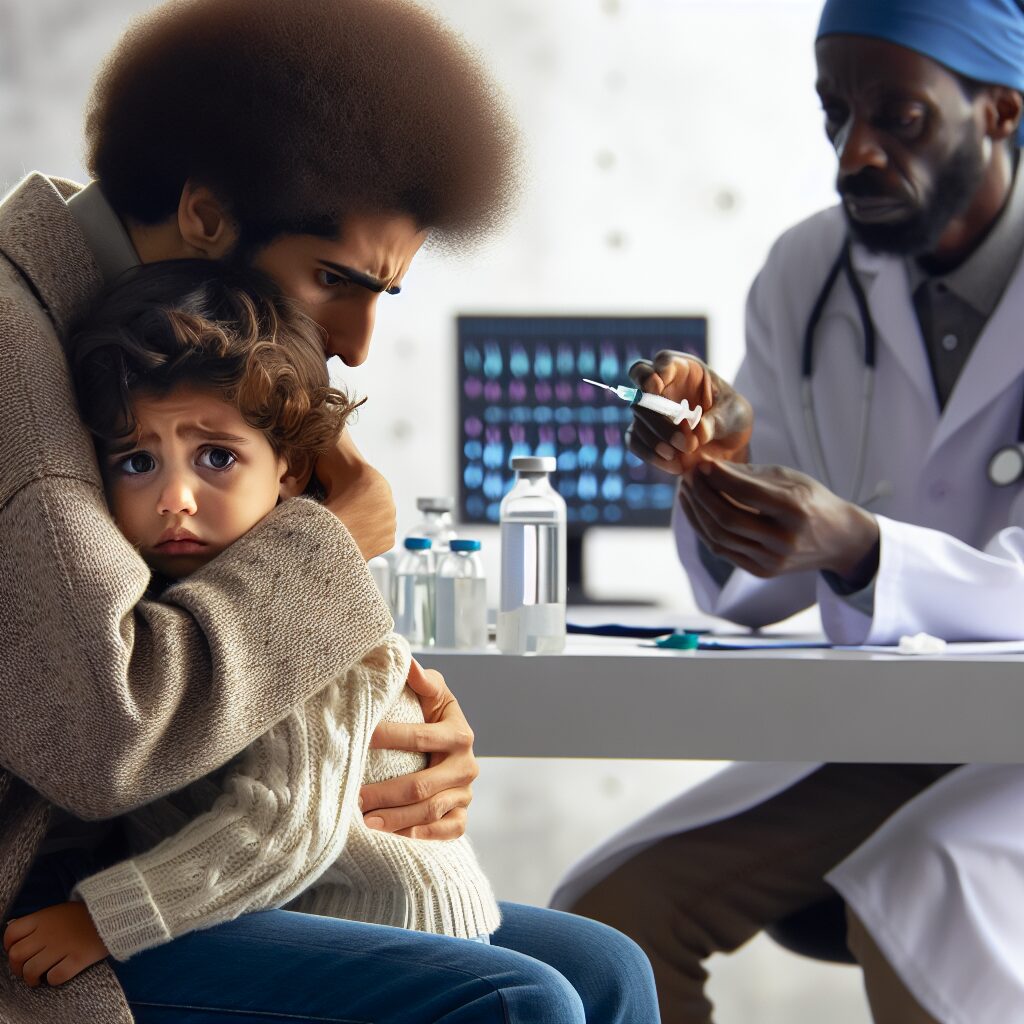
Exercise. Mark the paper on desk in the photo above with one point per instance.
(965, 647)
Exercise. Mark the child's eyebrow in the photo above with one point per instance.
(186, 432)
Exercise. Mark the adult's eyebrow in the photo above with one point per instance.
(368, 281)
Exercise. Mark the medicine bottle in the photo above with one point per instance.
(435, 523)
(380, 570)
(531, 613)
(462, 598)
(412, 593)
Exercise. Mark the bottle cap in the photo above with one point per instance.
(533, 463)
(417, 543)
(435, 504)
(464, 545)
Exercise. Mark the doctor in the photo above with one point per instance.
(867, 459)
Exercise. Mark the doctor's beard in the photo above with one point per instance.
(954, 187)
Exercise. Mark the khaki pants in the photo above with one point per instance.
(713, 888)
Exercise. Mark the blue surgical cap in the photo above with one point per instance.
(979, 39)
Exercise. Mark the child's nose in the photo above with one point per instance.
(177, 496)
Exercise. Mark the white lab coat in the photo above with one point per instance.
(941, 884)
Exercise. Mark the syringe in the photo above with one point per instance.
(675, 411)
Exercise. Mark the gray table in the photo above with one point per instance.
(615, 698)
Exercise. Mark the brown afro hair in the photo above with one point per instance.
(214, 326)
(297, 113)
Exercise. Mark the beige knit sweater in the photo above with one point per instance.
(110, 700)
(283, 820)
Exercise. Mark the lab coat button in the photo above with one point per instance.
(950, 342)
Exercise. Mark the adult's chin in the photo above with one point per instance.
(911, 237)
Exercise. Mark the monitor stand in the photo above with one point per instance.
(576, 588)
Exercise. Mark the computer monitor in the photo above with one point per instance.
(521, 392)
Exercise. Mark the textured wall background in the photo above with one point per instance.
(669, 142)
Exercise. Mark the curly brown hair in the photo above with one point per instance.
(215, 326)
(299, 113)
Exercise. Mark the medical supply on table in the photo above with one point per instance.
(380, 570)
(1006, 464)
(436, 523)
(921, 643)
(461, 599)
(413, 592)
(675, 411)
(531, 612)
(683, 641)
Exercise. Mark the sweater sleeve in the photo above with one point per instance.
(281, 821)
(122, 699)
(115, 700)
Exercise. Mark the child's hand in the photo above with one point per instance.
(55, 943)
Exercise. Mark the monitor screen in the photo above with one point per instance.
(521, 392)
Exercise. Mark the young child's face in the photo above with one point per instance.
(197, 477)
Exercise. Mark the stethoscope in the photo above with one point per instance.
(1006, 465)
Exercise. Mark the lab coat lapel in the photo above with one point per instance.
(885, 283)
(995, 363)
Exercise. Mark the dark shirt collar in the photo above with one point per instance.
(982, 278)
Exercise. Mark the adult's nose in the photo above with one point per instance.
(857, 147)
(351, 340)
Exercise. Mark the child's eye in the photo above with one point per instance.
(136, 463)
(217, 458)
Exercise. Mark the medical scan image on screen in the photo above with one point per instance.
(521, 392)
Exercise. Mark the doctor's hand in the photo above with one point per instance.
(724, 428)
(359, 496)
(432, 803)
(771, 520)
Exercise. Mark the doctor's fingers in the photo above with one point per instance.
(732, 520)
(650, 448)
(677, 373)
(733, 548)
(772, 490)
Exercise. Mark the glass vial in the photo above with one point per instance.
(412, 594)
(380, 570)
(462, 598)
(435, 523)
(531, 614)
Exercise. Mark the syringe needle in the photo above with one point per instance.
(597, 384)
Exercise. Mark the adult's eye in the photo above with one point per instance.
(835, 115)
(328, 279)
(217, 458)
(907, 121)
(136, 464)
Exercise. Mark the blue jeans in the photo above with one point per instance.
(277, 966)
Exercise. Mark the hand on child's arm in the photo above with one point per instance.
(53, 944)
(430, 804)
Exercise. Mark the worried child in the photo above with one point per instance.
(210, 402)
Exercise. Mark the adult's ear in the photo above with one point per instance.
(1005, 110)
(204, 223)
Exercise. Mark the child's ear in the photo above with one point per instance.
(293, 479)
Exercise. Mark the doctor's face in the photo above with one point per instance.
(909, 138)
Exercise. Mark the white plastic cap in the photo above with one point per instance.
(533, 463)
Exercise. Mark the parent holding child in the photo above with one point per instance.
(322, 142)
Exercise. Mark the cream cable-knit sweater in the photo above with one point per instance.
(283, 826)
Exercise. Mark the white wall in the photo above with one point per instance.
(669, 142)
